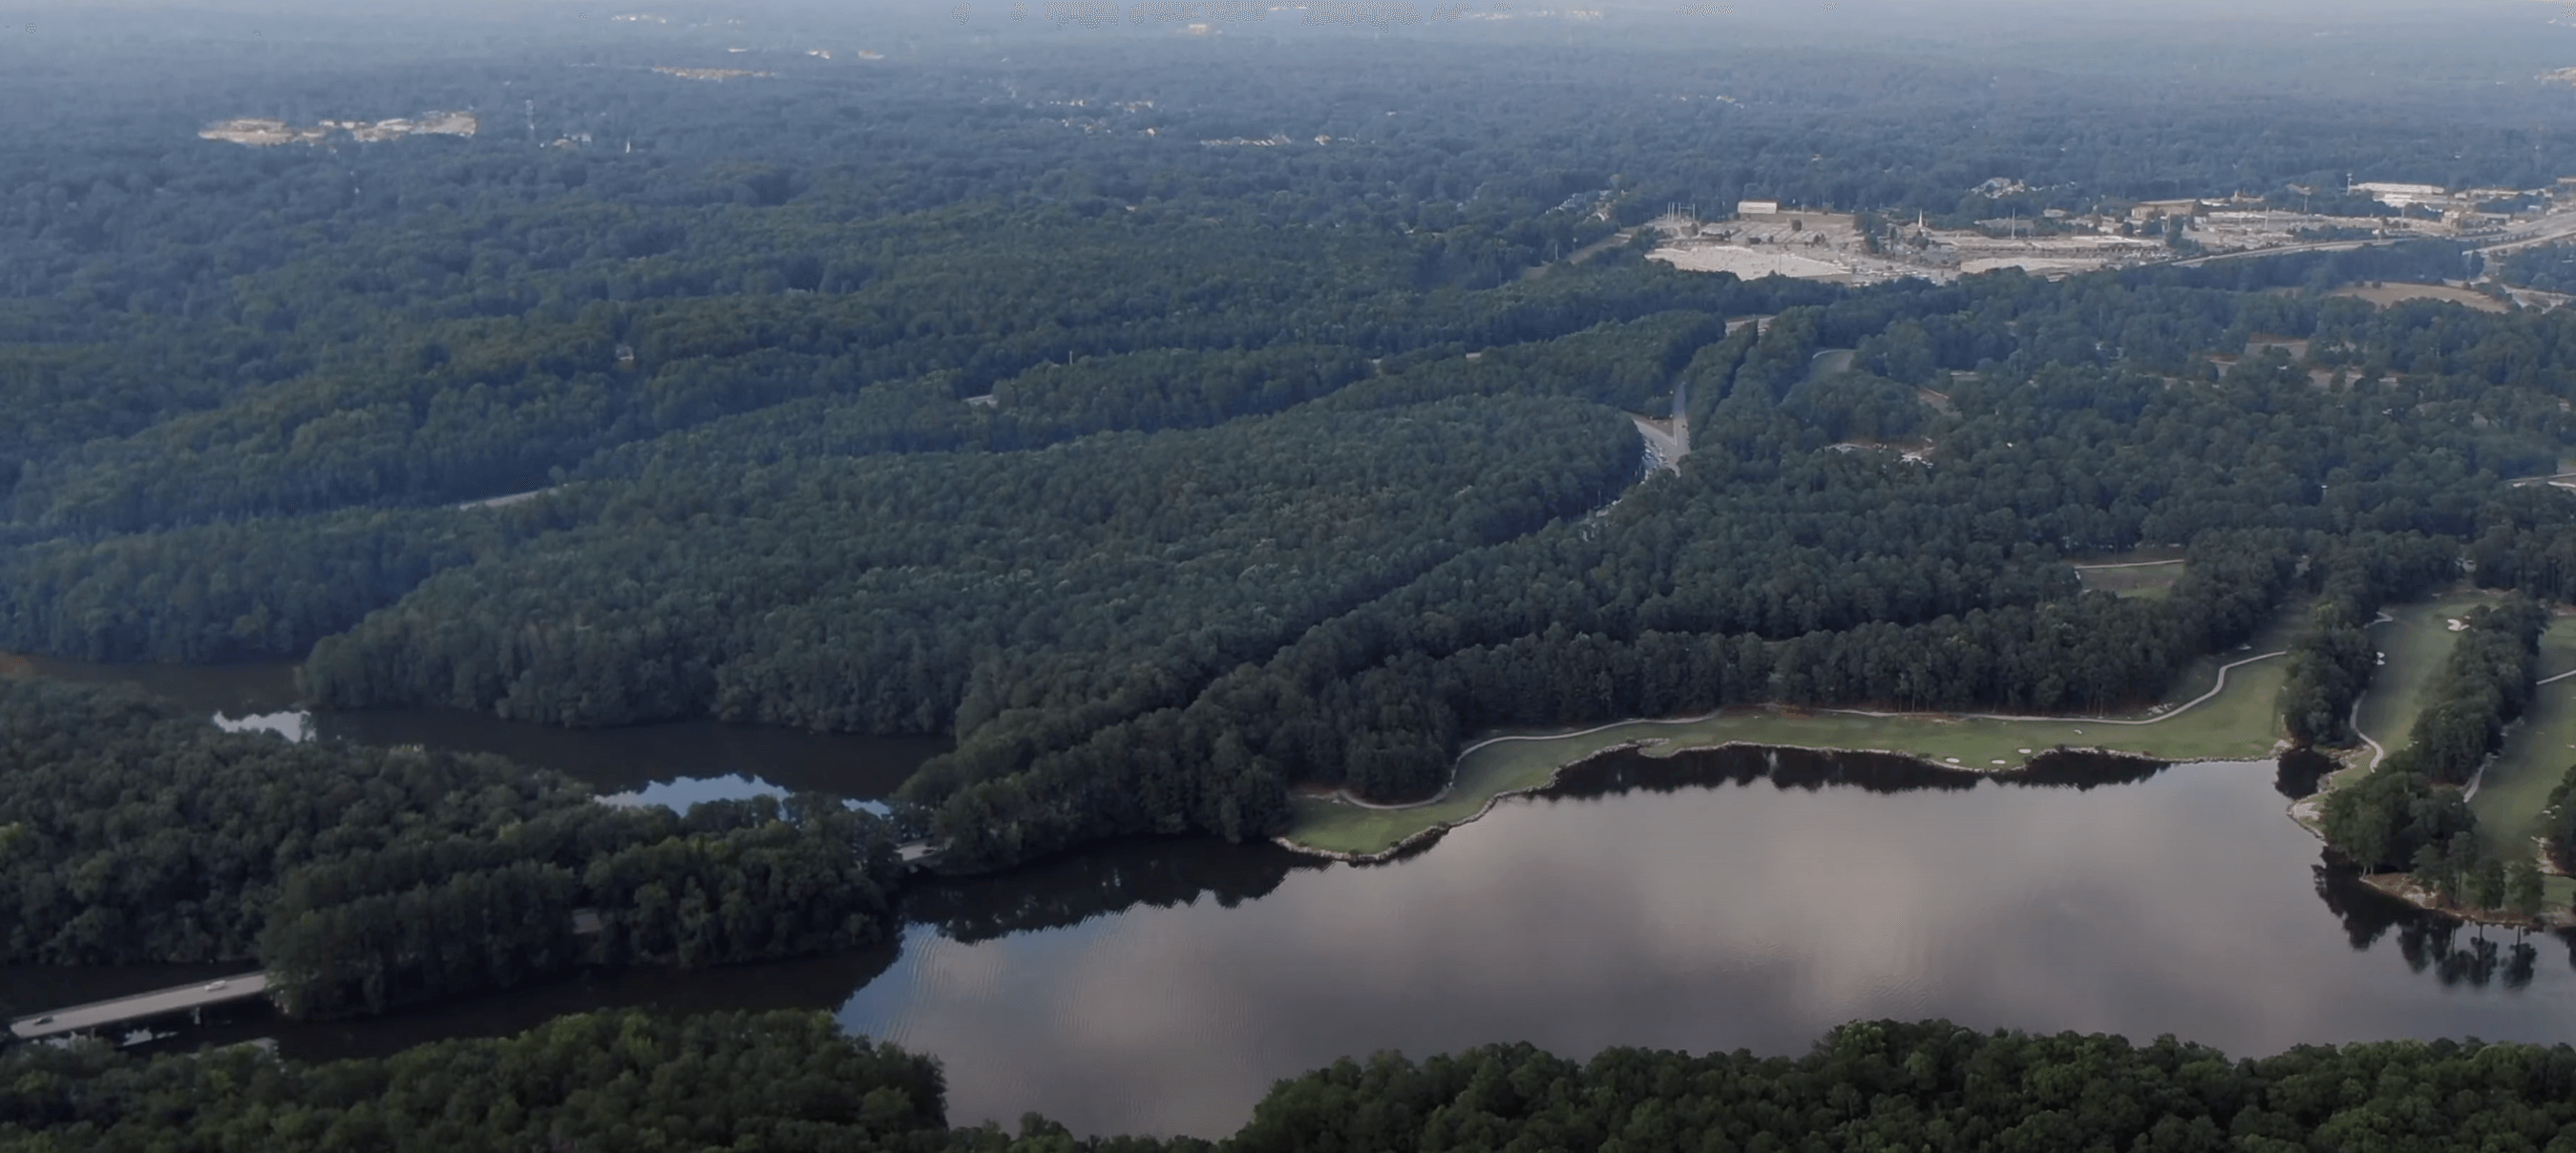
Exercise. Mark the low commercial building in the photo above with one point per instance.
(2154, 209)
(2403, 195)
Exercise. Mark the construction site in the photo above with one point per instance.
(265, 132)
(1763, 238)
(1760, 238)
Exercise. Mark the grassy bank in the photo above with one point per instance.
(2415, 644)
(2515, 787)
(2241, 722)
(2153, 581)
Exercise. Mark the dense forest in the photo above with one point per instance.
(788, 1081)
(364, 878)
(903, 593)
(2550, 269)
(1177, 421)
(1781, 565)
(1159, 628)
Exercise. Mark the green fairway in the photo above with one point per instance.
(2412, 643)
(2242, 722)
(2415, 644)
(2515, 787)
(2133, 580)
(2558, 645)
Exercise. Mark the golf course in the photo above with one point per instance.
(2224, 709)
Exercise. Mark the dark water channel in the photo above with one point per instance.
(1715, 901)
(677, 764)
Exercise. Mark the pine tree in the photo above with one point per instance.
(2490, 889)
(2527, 894)
(2430, 868)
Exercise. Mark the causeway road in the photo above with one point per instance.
(101, 1014)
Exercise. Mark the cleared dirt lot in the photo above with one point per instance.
(1748, 263)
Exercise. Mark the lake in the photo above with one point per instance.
(1162, 986)
(1739, 916)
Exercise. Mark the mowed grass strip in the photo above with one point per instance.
(2241, 723)
(2515, 787)
(2151, 581)
(2414, 644)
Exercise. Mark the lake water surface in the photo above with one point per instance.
(1163, 986)
(1710, 918)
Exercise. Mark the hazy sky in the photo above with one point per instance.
(2050, 11)
(2455, 40)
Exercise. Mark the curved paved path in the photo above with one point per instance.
(2377, 752)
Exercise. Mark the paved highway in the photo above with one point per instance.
(2554, 227)
(2541, 231)
(2286, 249)
(83, 1018)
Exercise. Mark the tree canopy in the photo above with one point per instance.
(363, 878)
(1174, 422)
(789, 1081)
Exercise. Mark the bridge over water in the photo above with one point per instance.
(183, 999)
(141, 1006)
(192, 998)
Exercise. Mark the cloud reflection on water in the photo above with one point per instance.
(1740, 916)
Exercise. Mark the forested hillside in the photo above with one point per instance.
(913, 592)
(1783, 565)
(1175, 421)
(1178, 417)
(788, 1081)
